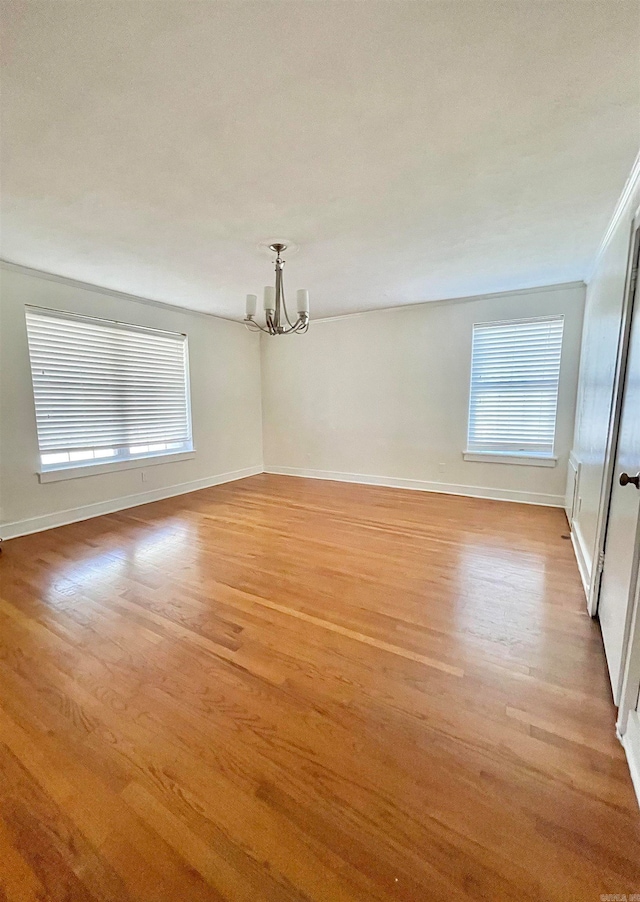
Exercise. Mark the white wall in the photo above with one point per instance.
(603, 313)
(225, 397)
(385, 394)
(381, 395)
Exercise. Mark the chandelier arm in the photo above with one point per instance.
(258, 327)
(276, 321)
(300, 325)
(271, 326)
(284, 303)
(295, 327)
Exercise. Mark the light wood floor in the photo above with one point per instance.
(285, 689)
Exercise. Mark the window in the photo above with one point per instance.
(106, 392)
(515, 371)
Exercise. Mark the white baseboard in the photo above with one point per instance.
(63, 518)
(582, 557)
(444, 488)
(74, 515)
(631, 744)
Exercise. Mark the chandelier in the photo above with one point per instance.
(276, 317)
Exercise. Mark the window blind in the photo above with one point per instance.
(515, 372)
(103, 385)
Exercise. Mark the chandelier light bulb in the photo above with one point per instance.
(269, 299)
(252, 305)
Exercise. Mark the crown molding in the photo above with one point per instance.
(465, 299)
(122, 295)
(629, 187)
(110, 292)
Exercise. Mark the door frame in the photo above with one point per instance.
(611, 448)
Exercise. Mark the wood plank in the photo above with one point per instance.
(283, 689)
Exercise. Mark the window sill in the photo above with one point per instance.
(76, 472)
(510, 457)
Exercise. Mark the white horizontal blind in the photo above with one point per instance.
(103, 385)
(515, 372)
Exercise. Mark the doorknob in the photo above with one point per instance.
(625, 479)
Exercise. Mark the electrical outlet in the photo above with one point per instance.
(143, 476)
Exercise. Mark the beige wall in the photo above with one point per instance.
(224, 364)
(386, 395)
(603, 312)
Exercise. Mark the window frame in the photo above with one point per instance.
(528, 457)
(121, 458)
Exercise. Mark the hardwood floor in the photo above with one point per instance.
(284, 689)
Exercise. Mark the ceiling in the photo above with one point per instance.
(413, 150)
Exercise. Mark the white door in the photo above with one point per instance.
(614, 606)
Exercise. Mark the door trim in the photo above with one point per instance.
(630, 692)
(631, 745)
(628, 304)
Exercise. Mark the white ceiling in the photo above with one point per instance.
(414, 150)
